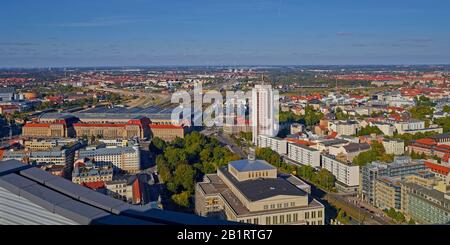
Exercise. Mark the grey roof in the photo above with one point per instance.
(125, 115)
(259, 189)
(106, 151)
(303, 146)
(7, 90)
(355, 147)
(440, 136)
(333, 142)
(11, 166)
(81, 204)
(247, 165)
(435, 194)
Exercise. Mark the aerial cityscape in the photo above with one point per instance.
(104, 122)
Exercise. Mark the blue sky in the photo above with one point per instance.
(227, 32)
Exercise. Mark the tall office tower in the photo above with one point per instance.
(264, 112)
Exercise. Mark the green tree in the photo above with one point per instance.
(340, 115)
(368, 130)
(175, 156)
(306, 172)
(446, 108)
(182, 199)
(444, 123)
(185, 176)
(163, 169)
(157, 145)
(324, 178)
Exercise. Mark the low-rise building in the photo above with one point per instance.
(296, 128)
(426, 205)
(39, 130)
(133, 189)
(344, 127)
(167, 132)
(250, 191)
(441, 171)
(86, 171)
(46, 144)
(387, 128)
(429, 147)
(60, 155)
(122, 158)
(350, 151)
(394, 146)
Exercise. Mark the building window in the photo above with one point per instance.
(313, 214)
(255, 221)
(266, 207)
(319, 214)
(279, 205)
(281, 219)
(286, 205)
(292, 204)
(275, 220)
(295, 217)
(306, 215)
(272, 206)
(289, 218)
(249, 221)
(268, 220)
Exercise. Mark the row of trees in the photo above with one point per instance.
(182, 162)
(398, 216)
(322, 178)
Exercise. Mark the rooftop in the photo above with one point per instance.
(247, 165)
(82, 205)
(259, 189)
(355, 147)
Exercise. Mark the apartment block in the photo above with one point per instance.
(276, 144)
(347, 174)
(304, 155)
(401, 166)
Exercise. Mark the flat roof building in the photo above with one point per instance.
(30, 196)
(251, 191)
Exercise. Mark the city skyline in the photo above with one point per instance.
(142, 33)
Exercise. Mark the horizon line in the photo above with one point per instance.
(222, 65)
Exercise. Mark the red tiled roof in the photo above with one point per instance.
(94, 185)
(332, 135)
(37, 125)
(165, 126)
(446, 157)
(136, 191)
(426, 141)
(437, 168)
(300, 142)
(106, 125)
